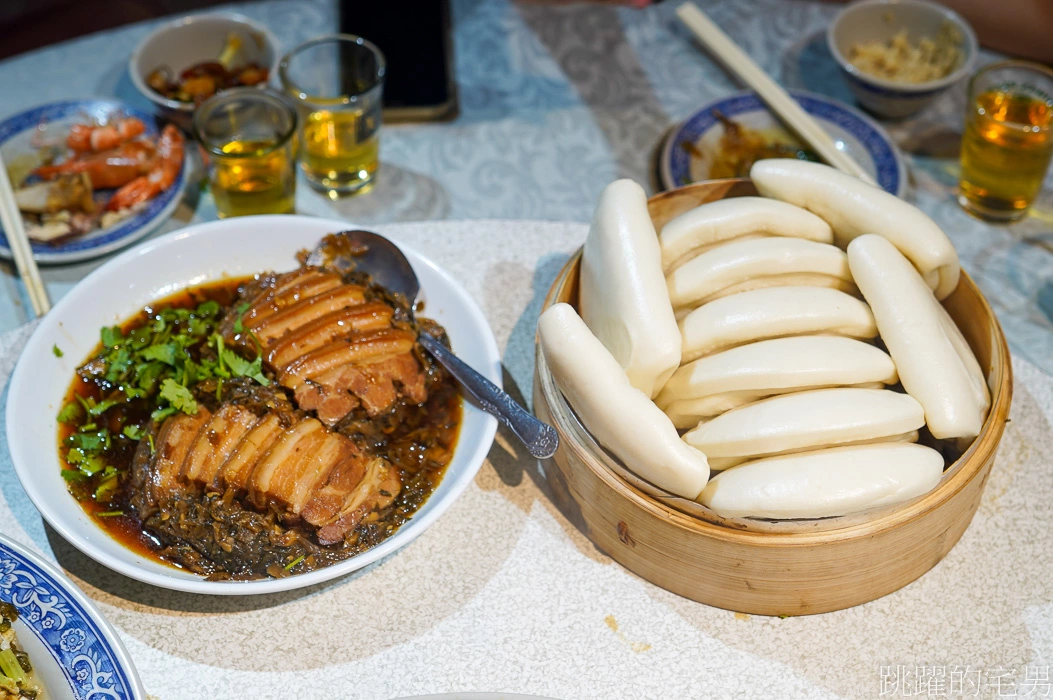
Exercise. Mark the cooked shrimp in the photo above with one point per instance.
(168, 163)
(84, 137)
(108, 169)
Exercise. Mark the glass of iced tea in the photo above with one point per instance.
(248, 142)
(337, 82)
(1008, 139)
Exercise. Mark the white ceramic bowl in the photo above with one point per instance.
(880, 20)
(194, 255)
(181, 43)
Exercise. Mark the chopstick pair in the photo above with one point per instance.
(777, 99)
(11, 220)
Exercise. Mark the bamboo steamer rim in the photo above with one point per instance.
(745, 530)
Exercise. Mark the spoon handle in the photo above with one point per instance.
(540, 438)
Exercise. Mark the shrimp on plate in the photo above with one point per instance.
(165, 168)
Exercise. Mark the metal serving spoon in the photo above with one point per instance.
(389, 268)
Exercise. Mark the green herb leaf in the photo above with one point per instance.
(101, 407)
(111, 336)
(160, 414)
(73, 475)
(56, 351)
(86, 442)
(208, 309)
(243, 368)
(110, 514)
(162, 353)
(106, 489)
(179, 396)
(133, 432)
(71, 413)
(242, 308)
(91, 465)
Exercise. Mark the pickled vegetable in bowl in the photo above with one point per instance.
(203, 80)
(17, 681)
(901, 60)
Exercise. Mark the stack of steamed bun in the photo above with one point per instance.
(790, 346)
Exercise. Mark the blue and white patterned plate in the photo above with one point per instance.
(853, 132)
(75, 652)
(16, 135)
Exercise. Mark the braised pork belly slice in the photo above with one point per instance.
(214, 443)
(173, 443)
(303, 472)
(271, 294)
(356, 487)
(369, 316)
(365, 347)
(374, 385)
(366, 369)
(298, 462)
(235, 472)
(305, 311)
(283, 457)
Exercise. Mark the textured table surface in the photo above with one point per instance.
(502, 593)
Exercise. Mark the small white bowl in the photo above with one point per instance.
(184, 42)
(880, 20)
(160, 267)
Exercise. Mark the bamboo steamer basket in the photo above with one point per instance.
(768, 567)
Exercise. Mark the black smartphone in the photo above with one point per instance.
(416, 39)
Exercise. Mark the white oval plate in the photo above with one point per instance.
(160, 267)
(852, 131)
(74, 651)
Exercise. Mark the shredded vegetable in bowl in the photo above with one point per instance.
(899, 60)
(16, 673)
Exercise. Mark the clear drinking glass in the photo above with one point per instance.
(1008, 139)
(337, 82)
(248, 139)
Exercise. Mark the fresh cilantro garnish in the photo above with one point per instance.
(56, 351)
(149, 370)
(111, 336)
(179, 397)
(242, 308)
(71, 413)
(166, 353)
(243, 368)
(133, 432)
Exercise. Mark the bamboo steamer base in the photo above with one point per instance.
(749, 566)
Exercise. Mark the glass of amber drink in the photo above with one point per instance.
(337, 82)
(1008, 139)
(248, 142)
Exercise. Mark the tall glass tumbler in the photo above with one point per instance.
(248, 140)
(1008, 139)
(337, 82)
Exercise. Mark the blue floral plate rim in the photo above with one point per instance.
(891, 175)
(96, 243)
(93, 658)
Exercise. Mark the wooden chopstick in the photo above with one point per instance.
(11, 219)
(777, 99)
